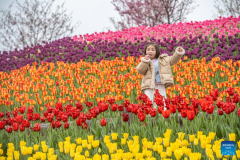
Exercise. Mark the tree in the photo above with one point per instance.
(227, 8)
(34, 22)
(150, 12)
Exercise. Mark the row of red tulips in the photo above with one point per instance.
(14, 121)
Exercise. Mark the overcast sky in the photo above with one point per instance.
(94, 14)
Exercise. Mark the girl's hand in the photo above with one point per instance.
(180, 49)
(146, 57)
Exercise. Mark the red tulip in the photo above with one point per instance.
(50, 117)
(238, 112)
(58, 124)
(66, 125)
(111, 101)
(166, 113)
(230, 91)
(219, 104)
(160, 109)
(79, 106)
(235, 98)
(15, 113)
(21, 127)
(210, 109)
(8, 114)
(83, 117)
(36, 116)
(183, 113)
(114, 107)
(57, 83)
(59, 106)
(30, 116)
(126, 103)
(64, 117)
(26, 123)
(9, 129)
(103, 122)
(89, 116)
(36, 128)
(195, 102)
(15, 126)
(190, 115)
(55, 111)
(220, 112)
(53, 124)
(172, 108)
(153, 112)
(49, 109)
(22, 109)
(30, 110)
(2, 125)
(78, 122)
(89, 104)
(1, 115)
(42, 119)
(19, 118)
(141, 116)
(84, 125)
(120, 107)
(228, 109)
(125, 117)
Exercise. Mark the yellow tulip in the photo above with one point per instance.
(181, 135)
(135, 138)
(68, 139)
(203, 144)
(84, 143)
(106, 137)
(72, 153)
(22, 143)
(1, 151)
(160, 149)
(90, 139)
(45, 148)
(238, 143)
(24, 150)
(185, 143)
(86, 154)
(123, 141)
(149, 153)
(199, 133)
(79, 149)
(125, 135)
(163, 155)
(159, 140)
(51, 151)
(114, 136)
(16, 155)
(212, 135)
(178, 154)
(191, 137)
(30, 149)
(35, 147)
(105, 157)
(95, 143)
(43, 156)
(234, 157)
(169, 151)
(79, 140)
(0, 145)
(89, 146)
(149, 145)
(232, 137)
(166, 142)
(195, 141)
(238, 153)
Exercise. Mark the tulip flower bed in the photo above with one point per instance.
(122, 146)
(217, 38)
(78, 99)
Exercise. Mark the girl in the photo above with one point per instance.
(156, 70)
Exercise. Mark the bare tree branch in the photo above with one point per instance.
(150, 12)
(227, 8)
(34, 22)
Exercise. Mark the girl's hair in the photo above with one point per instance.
(156, 48)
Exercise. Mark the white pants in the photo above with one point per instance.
(150, 93)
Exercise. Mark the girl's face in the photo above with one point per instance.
(151, 51)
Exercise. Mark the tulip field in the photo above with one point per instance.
(80, 97)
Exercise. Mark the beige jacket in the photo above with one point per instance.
(147, 69)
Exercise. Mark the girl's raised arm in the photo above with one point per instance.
(142, 67)
(179, 52)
